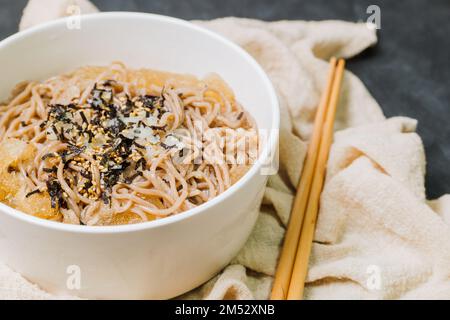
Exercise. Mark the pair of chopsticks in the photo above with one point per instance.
(292, 268)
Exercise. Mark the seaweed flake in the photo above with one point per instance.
(130, 179)
(29, 194)
(138, 145)
(48, 155)
(50, 170)
(141, 163)
(86, 174)
(83, 117)
(75, 150)
(56, 194)
(105, 197)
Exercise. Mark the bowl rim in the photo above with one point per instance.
(269, 148)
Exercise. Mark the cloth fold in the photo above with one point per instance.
(377, 237)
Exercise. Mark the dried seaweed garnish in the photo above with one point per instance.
(48, 155)
(83, 117)
(88, 184)
(117, 127)
(167, 147)
(75, 150)
(72, 106)
(106, 135)
(150, 102)
(63, 154)
(55, 130)
(111, 112)
(56, 194)
(138, 145)
(50, 170)
(86, 174)
(109, 82)
(111, 177)
(58, 112)
(101, 98)
(105, 197)
(141, 163)
(128, 107)
(159, 128)
(43, 124)
(29, 194)
(90, 136)
(96, 121)
(134, 176)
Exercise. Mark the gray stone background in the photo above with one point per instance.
(408, 72)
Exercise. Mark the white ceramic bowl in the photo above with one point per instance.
(158, 259)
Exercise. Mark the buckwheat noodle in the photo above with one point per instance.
(114, 145)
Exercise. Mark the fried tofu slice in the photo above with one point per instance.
(146, 78)
(37, 204)
(128, 218)
(13, 152)
(13, 189)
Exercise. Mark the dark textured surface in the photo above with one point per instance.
(408, 72)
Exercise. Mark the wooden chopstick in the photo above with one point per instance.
(286, 262)
(300, 268)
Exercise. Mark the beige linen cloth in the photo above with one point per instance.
(377, 236)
